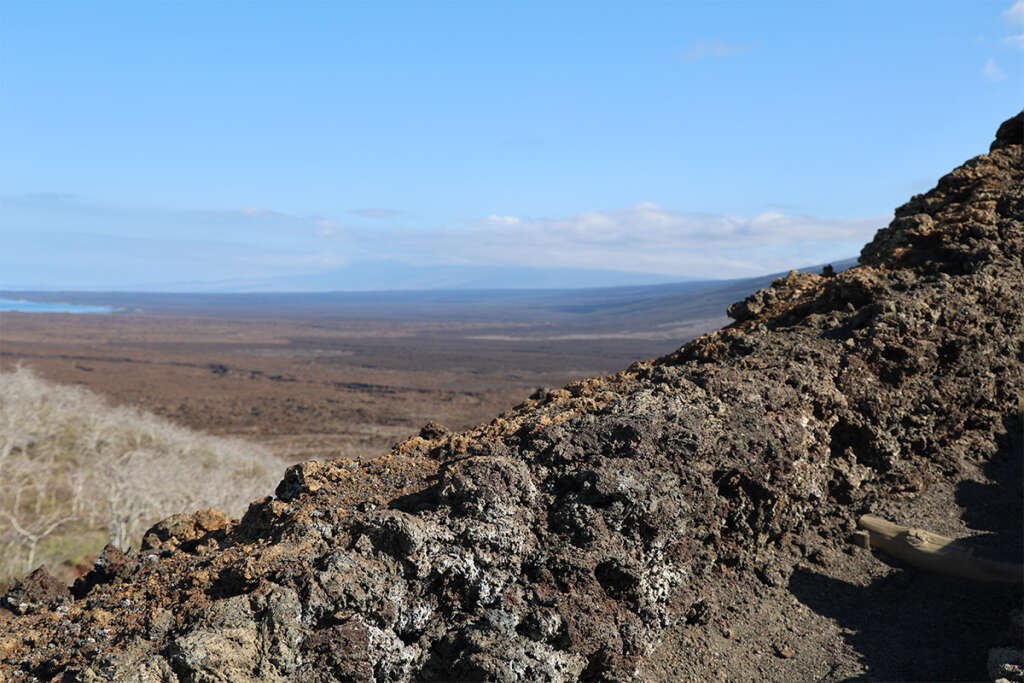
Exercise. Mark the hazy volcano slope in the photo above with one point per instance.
(568, 536)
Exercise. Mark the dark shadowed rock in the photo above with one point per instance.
(39, 590)
(433, 430)
(567, 538)
(1011, 132)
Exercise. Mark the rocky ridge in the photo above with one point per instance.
(593, 532)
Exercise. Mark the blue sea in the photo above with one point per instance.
(41, 307)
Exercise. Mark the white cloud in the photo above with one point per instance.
(704, 49)
(992, 71)
(502, 220)
(258, 212)
(1016, 41)
(649, 223)
(644, 237)
(1015, 14)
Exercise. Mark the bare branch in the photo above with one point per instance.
(934, 552)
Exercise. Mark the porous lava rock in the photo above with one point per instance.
(566, 538)
(38, 590)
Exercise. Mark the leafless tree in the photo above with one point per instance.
(73, 467)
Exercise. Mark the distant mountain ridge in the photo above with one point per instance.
(368, 276)
(633, 309)
(392, 276)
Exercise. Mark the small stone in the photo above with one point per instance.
(1006, 663)
(784, 651)
(433, 430)
(821, 556)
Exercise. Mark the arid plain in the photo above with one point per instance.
(328, 376)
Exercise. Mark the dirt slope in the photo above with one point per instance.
(685, 517)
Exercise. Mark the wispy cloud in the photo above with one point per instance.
(248, 212)
(376, 213)
(1015, 14)
(714, 49)
(320, 225)
(40, 199)
(1016, 41)
(300, 261)
(328, 227)
(502, 220)
(252, 225)
(258, 212)
(649, 238)
(648, 224)
(644, 237)
(992, 72)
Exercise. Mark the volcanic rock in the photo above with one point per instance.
(611, 530)
(38, 590)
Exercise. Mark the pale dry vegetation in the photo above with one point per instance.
(77, 473)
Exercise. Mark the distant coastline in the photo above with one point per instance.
(22, 306)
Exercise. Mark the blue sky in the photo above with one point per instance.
(168, 144)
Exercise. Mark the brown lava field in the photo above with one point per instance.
(309, 385)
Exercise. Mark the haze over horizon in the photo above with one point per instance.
(199, 144)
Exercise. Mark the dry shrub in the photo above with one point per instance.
(76, 472)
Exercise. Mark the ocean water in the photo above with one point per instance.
(42, 307)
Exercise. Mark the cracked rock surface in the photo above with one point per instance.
(626, 527)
